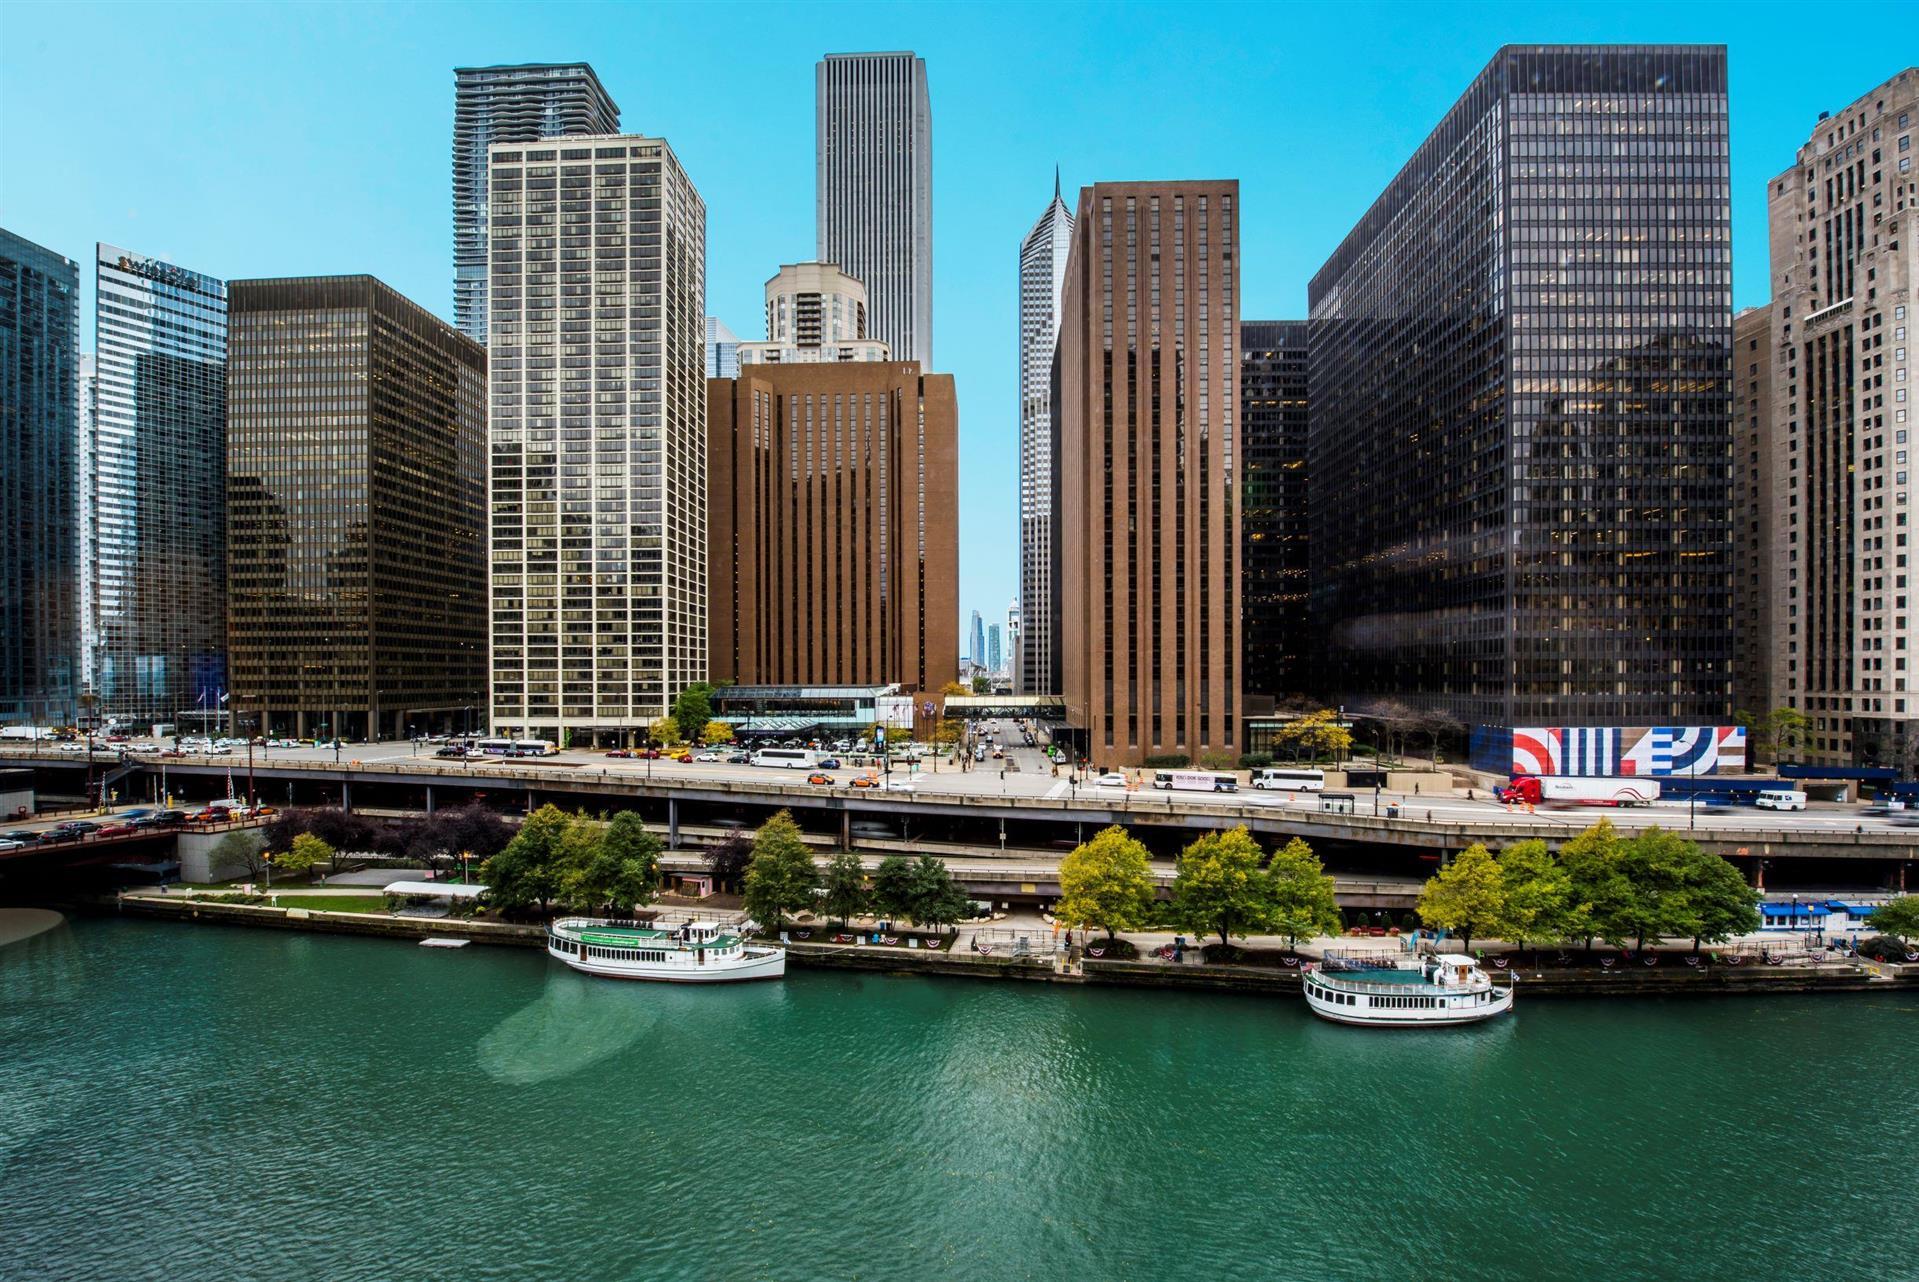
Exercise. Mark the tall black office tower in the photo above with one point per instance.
(1272, 510)
(1521, 420)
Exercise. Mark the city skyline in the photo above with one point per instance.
(218, 213)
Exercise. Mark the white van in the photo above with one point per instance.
(1781, 799)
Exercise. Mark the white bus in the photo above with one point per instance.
(1288, 780)
(784, 758)
(494, 747)
(537, 747)
(1195, 781)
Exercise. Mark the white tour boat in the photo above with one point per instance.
(692, 952)
(1447, 989)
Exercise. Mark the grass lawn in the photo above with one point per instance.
(336, 903)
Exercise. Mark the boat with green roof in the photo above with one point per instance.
(696, 951)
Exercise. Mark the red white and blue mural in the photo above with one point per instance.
(1634, 750)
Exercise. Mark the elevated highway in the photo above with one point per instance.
(977, 812)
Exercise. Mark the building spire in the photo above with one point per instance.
(1055, 182)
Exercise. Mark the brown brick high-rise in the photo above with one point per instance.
(833, 525)
(1148, 463)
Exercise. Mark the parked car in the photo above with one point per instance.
(620, 754)
(452, 753)
(711, 754)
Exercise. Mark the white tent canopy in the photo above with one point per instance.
(446, 889)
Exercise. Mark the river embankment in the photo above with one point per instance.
(1702, 977)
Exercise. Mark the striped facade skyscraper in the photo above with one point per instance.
(508, 104)
(1042, 270)
(599, 481)
(874, 192)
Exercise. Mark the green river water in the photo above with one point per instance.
(188, 1103)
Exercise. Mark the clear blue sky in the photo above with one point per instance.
(257, 140)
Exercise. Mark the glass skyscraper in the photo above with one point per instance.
(508, 104)
(1521, 402)
(39, 432)
(1273, 511)
(154, 508)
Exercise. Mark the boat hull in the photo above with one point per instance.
(1451, 1015)
(770, 966)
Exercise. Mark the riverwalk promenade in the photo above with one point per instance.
(1030, 949)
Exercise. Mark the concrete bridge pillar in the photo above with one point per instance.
(846, 830)
(346, 797)
(672, 823)
(429, 799)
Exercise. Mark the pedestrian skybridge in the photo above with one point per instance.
(1025, 707)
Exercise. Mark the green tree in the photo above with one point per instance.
(305, 854)
(1719, 903)
(1106, 883)
(1467, 897)
(937, 898)
(664, 731)
(1654, 864)
(1303, 904)
(893, 887)
(614, 865)
(526, 874)
(693, 709)
(780, 877)
(242, 849)
(1602, 896)
(1785, 732)
(1220, 888)
(716, 732)
(1898, 917)
(1539, 896)
(845, 885)
(982, 685)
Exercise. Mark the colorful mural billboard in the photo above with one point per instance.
(1628, 750)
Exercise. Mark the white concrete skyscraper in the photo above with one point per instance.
(598, 431)
(508, 104)
(1042, 270)
(874, 190)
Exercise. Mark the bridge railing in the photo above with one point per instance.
(1412, 818)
